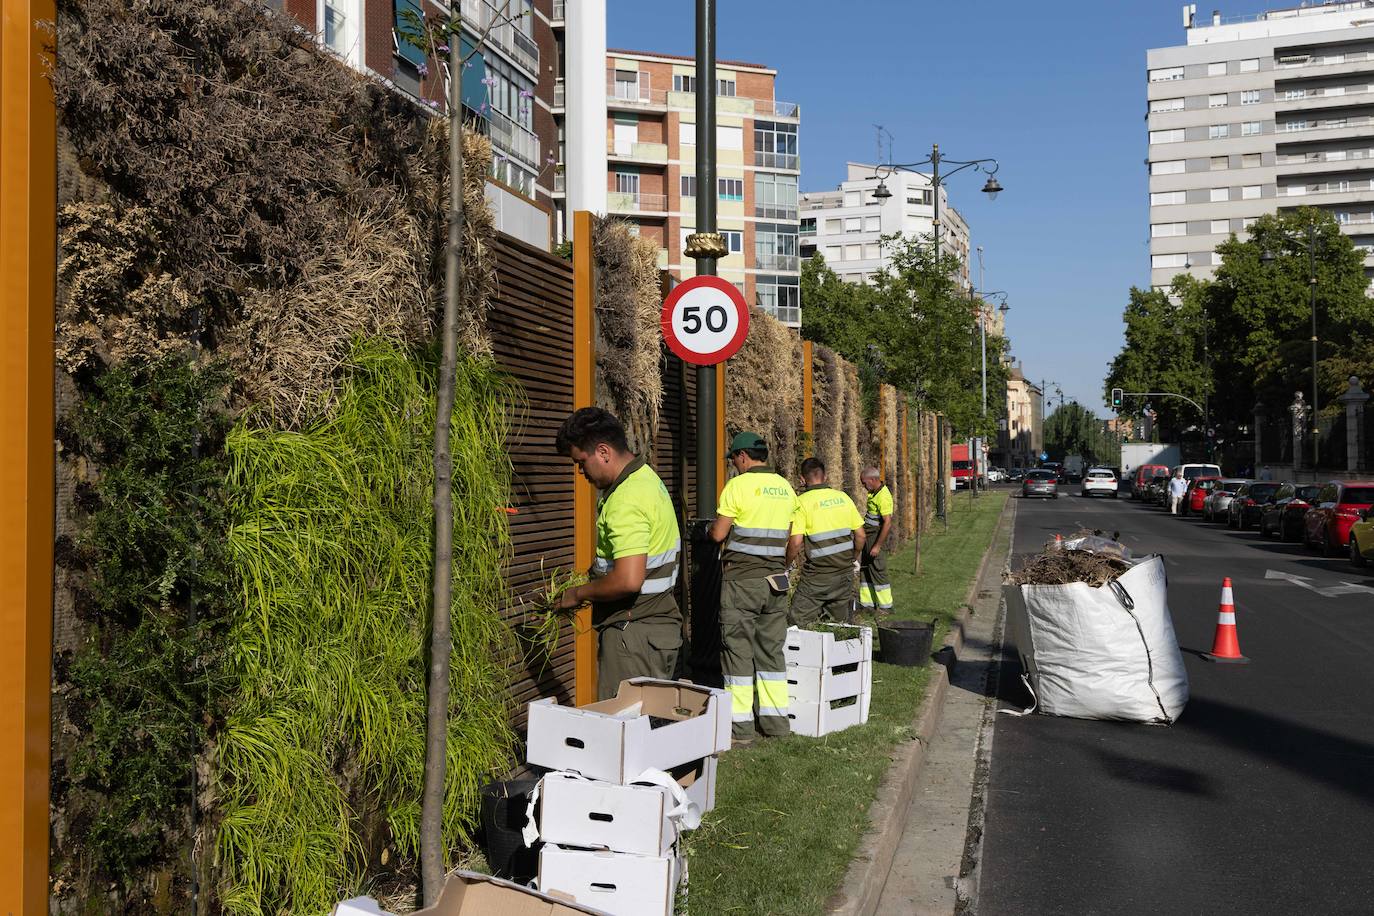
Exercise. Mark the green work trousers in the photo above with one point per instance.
(825, 596)
(875, 589)
(639, 648)
(753, 626)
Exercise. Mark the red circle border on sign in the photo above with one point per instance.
(725, 352)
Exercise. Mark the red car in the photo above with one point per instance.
(1196, 495)
(1326, 526)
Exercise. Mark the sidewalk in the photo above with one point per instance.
(944, 821)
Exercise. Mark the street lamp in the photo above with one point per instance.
(983, 329)
(1268, 257)
(989, 166)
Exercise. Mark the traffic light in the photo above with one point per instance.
(1118, 398)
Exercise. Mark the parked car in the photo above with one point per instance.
(1283, 515)
(1218, 502)
(1017, 475)
(996, 475)
(1196, 495)
(1247, 506)
(1191, 471)
(1326, 526)
(1143, 475)
(1040, 482)
(1099, 482)
(1362, 539)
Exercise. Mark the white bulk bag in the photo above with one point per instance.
(1101, 653)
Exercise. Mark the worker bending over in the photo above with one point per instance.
(829, 535)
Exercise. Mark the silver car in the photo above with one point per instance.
(1218, 502)
(1040, 482)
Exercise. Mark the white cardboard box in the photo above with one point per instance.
(598, 743)
(817, 719)
(634, 819)
(466, 893)
(819, 649)
(815, 685)
(619, 884)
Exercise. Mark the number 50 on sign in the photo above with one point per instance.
(705, 320)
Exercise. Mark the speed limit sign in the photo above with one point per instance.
(705, 320)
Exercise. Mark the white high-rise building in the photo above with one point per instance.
(846, 225)
(1255, 115)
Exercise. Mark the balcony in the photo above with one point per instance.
(1333, 60)
(1330, 187)
(559, 11)
(638, 152)
(560, 181)
(560, 94)
(788, 161)
(775, 211)
(778, 262)
(634, 95)
(1335, 155)
(1330, 124)
(635, 202)
(478, 16)
(1311, 99)
(512, 139)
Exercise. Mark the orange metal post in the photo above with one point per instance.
(584, 499)
(28, 193)
(808, 414)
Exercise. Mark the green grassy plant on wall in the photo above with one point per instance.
(319, 766)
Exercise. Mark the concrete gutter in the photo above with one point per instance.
(863, 882)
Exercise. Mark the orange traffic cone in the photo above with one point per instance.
(1225, 645)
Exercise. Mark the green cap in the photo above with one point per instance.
(748, 440)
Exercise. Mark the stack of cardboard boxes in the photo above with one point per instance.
(829, 680)
(628, 775)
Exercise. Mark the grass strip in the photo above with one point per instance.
(790, 812)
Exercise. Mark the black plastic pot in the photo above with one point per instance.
(503, 820)
(905, 642)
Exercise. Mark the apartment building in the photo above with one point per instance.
(579, 110)
(648, 140)
(507, 88)
(1255, 115)
(846, 225)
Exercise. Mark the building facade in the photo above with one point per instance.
(1256, 115)
(648, 139)
(846, 225)
(1020, 443)
(508, 85)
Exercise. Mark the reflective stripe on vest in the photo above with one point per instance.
(829, 543)
(759, 542)
(660, 570)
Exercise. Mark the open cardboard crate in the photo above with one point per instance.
(470, 894)
(619, 884)
(634, 819)
(820, 649)
(815, 685)
(816, 719)
(615, 740)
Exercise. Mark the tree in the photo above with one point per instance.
(1163, 352)
(1075, 430)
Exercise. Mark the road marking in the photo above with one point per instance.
(1345, 588)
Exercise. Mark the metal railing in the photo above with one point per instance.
(775, 109)
(1328, 156)
(1351, 58)
(637, 93)
(775, 211)
(479, 14)
(1309, 95)
(636, 202)
(773, 261)
(560, 180)
(1345, 124)
(513, 139)
(1301, 190)
(560, 94)
(777, 160)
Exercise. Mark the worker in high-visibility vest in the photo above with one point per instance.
(636, 617)
(875, 589)
(829, 535)
(754, 523)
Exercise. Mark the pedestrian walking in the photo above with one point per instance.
(875, 590)
(1177, 487)
(829, 536)
(634, 613)
(754, 523)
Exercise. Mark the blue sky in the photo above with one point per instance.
(1054, 91)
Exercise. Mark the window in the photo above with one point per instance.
(725, 87)
(872, 252)
(1166, 198)
(1221, 226)
(1164, 74)
(1343, 185)
(626, 84)
(775, 247)
(923, 198)
(1218, 163)
(1342, 216)
(1164, 230)
(1334, 90)
(729, 137)
(510, 92)
(1218, 131)
(1250, 97)
(853, 198)
(872, 224)
(1250, 129)
(853, 224)
(1248, 221)
(734, 240)
(684, 83)
(1217, 100)
(686, 134)
(1336, 58)
(1159, 105)
(1158, 261)
(1300, 124)
(1167, 136)
(1217, 69)
(730, 188)
(340, 34)
(780, 297)
(689, 185)
(1334, 122)
(1215, 258)
(1291, 94)
(1250, 192)
(1249, 66)
(1295, 190)
(808, 225)
(1251, 160)
(1218, 195)
(833, 226)
(775, 145)
(775, 196)
(834, 253)
(627, 183)
(1167, 167)
(626, 134)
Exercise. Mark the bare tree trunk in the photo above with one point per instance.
(441, 620)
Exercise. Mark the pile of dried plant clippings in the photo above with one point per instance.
(1062, 567)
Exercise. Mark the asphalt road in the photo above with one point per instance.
(1259, 800)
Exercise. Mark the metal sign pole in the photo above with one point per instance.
(701, 246)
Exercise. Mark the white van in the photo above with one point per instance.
(1196, 470)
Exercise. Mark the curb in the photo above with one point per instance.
(862, 887)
